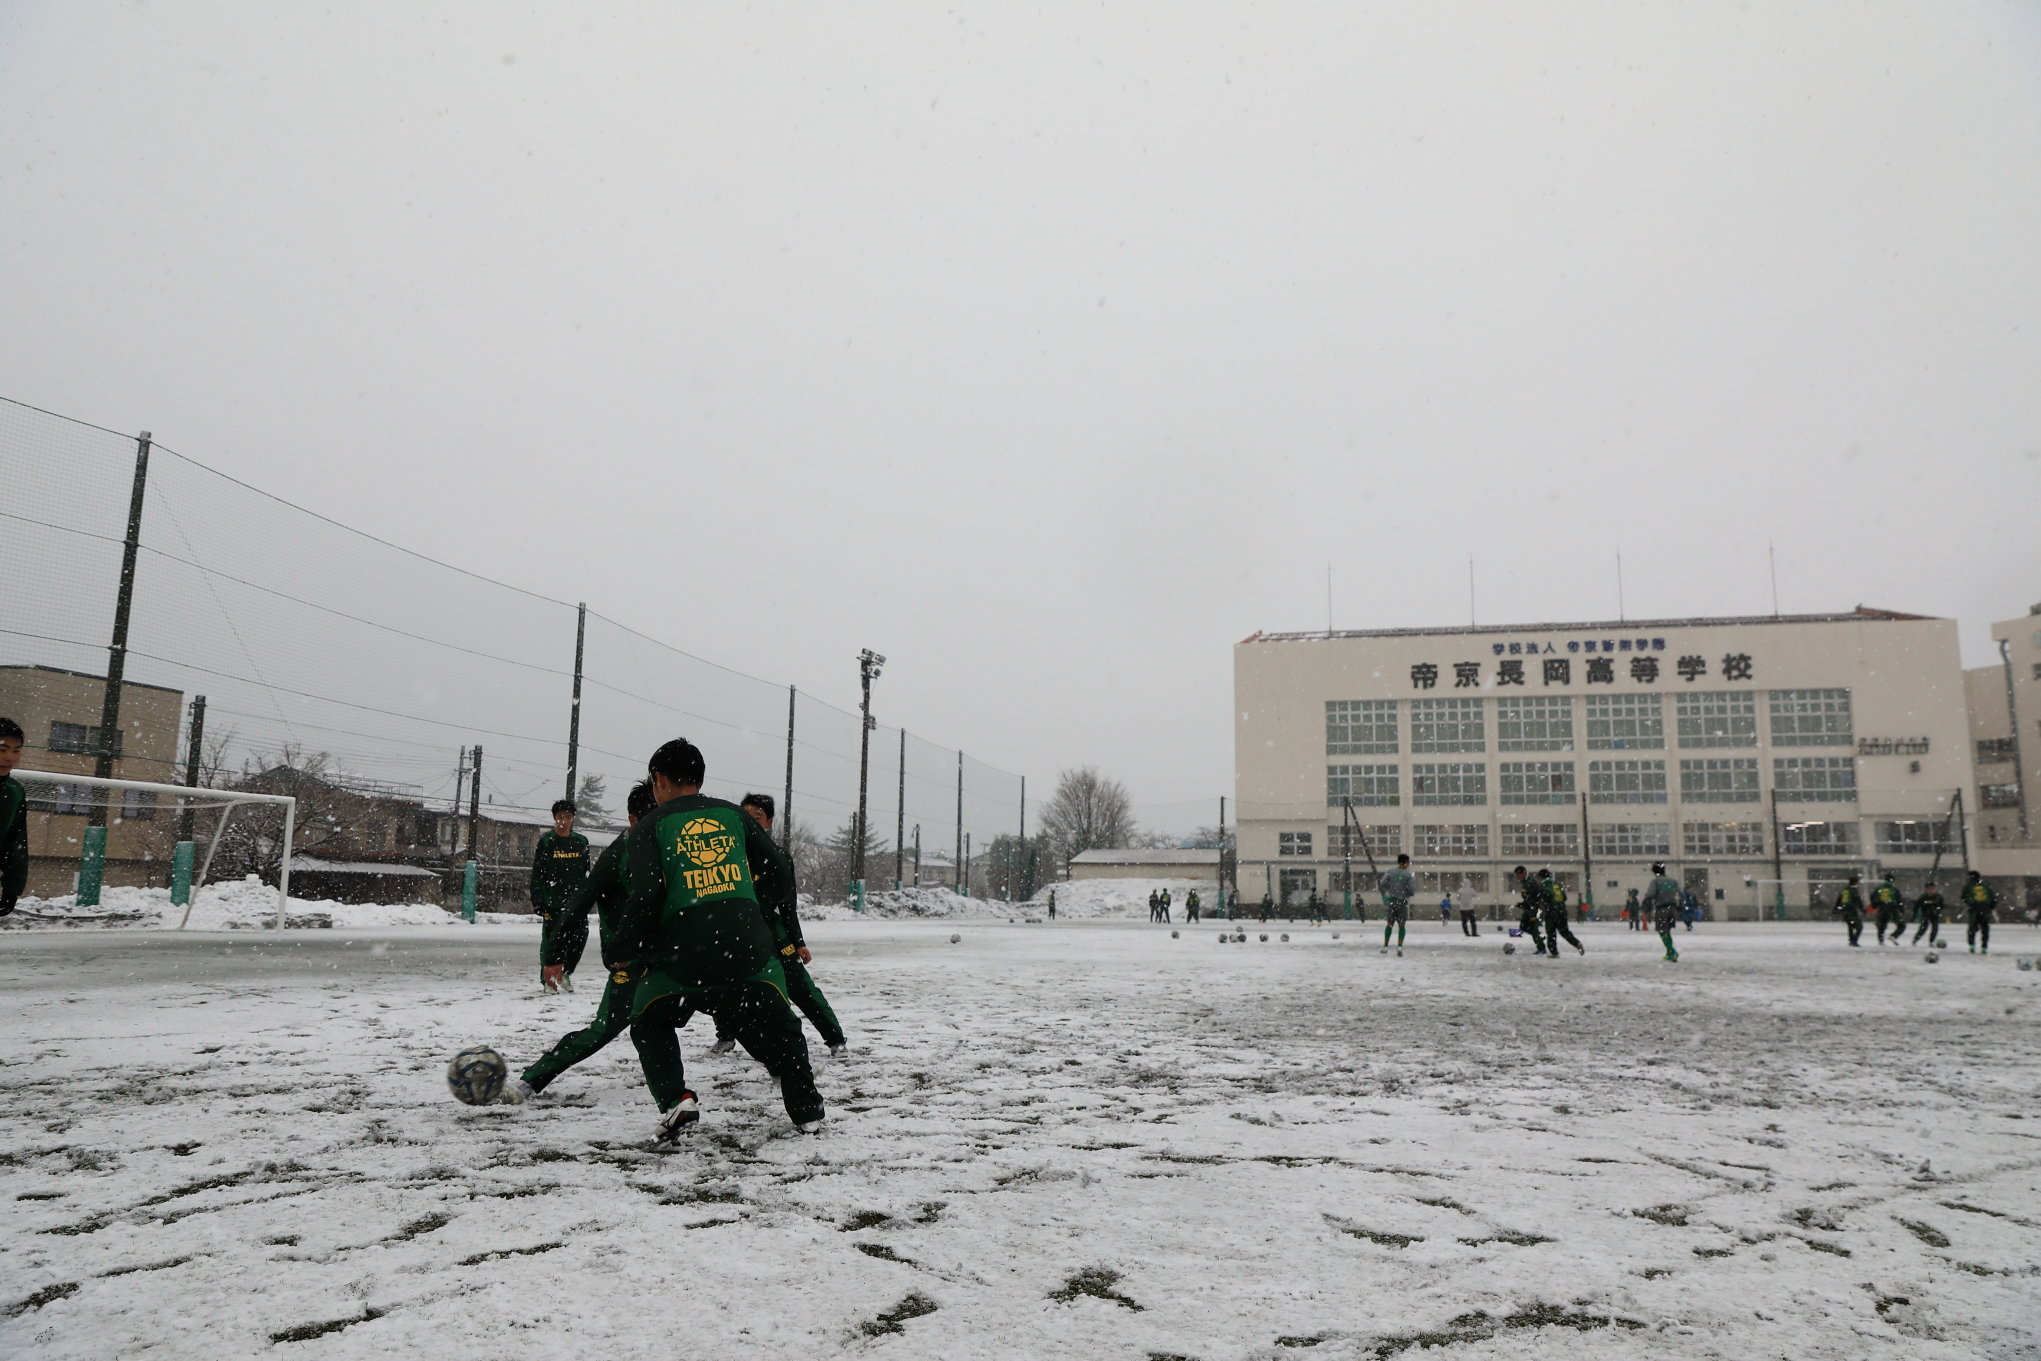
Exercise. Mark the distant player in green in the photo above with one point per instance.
(1555, 915)
(1191, 907)
(778, 897)
(1052, 904)
(558, 867)
(13, 818)
(1398, 888)
(1531, 899)
(1980, 906)
(603, 890)
(1927, 911)
(1849, 904)
(1662, 901)
(693, 936)
(1888, 904)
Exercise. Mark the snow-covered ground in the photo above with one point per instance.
(236, 905)
(1092, 1139)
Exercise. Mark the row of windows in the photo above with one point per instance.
(1616, 840)
(136, 805)
(1619, 722)
(1703, 779)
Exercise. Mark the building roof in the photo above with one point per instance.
(1862, 614)
(1127, 855)
(313, 864)
(87, 675)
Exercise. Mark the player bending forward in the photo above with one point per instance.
(784, 921)
(692, 936)
(1662, 901)
(1531, 899)
(1555, 915)
(603, 890)
(1398, 888)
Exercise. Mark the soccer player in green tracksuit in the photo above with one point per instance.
(1531, 898)
(1555, 915)
(559, 866)
(1980, 904)
(692, 936)
(782, 916)
(1662, 900)
(603, 890)
(1888, 904)
(1850, 903)
(1398, 888)
(13, 818)
(1927, 910)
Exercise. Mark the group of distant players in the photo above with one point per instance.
(695, 906)
(1888, 906)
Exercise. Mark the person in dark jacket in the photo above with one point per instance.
(1531, 900)
(559, 865)
(1888, 906)
(1849, 905)
(1980, 907)
(783, 916)
(13, 818)
(1927, 912)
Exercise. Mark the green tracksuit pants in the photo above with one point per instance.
(762, 1022)
(612, 1018)
(803, 993)
(1556, 929)
(1528, 922)
(570, 938)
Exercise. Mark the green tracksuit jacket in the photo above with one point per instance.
(13, 840)
(1888, 901)
(1398, 886)
(1850, 903)
(1979, 900)
(558, 866)
(603, 892)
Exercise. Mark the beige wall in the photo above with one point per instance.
(1905, 680)
(137, 850)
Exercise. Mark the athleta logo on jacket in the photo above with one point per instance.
(707, 843)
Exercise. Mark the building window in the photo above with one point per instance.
(1293, 843)
(1450, 783)
(1727, 779)
(1716, 718)
(1548, 839)
(137, 805)
(1360, 727)
(1447, 725)
(1630, 839)
(1297, 885)
(1723, 838)
(1819, 838)
(1626, 781)
(1993, 751)
(1369, 786)
(1811, 718)
(2001, 795)
(1815, 779)
(1534, 723)
(1912, 836)
(1625, 723)
(1448, 841)
(1348, 840)
(1537, 781)
(71, 800)
(80, 739)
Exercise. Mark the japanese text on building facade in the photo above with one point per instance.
(1601, 664)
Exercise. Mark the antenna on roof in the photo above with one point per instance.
(1328, 597)
(1620, 616)
(1772, 553)
(1470, 590)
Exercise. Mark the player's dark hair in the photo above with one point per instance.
(10, 731)
(564, 806)
(1976, 874)
(1403, 860)
(1544, 874)
(679, 761)
(762, 802)
(1520, 870)
(639, 801)
(1856, 878)
(1658, 867)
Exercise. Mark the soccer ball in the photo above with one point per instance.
(1931, 956)
(1264, 936)
(1335, 935)
(476, 1075)
(1174, 934)
(1286, 935)
(955, 939)
(2026, 965)
(1509, 947)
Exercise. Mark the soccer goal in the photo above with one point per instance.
(109, 837)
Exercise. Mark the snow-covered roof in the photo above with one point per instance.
(1130, 856)
(314, 865)
(1859, 615)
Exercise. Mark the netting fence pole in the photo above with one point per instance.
(192, 751)
(283, 875)
(787, 794)
(574, 711)
(957, 881)
(900, 815)
(117, 653)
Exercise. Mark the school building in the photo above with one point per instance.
(1764, 758)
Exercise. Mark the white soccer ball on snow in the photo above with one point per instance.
(476, 1075)
(1509, 947)
(955, 938)
(1931, 956)
(1286, 935)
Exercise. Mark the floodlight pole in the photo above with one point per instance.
(869, 663)
(191, 756)
(900, 815)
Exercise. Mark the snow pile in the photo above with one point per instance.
(919, 903)
(233, 906)
(1084, 899)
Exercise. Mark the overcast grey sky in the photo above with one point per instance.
(1051, 349)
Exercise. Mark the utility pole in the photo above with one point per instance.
(1221, 913)
(192, 751)
(1021, 849)
(958, 877)
(475, 806)
(869, 663)
(1587, 858)
(1779, 861)
(574, 713)
(900, 815)
(108, 745)
(1963, 830)
(967, 864)
(917, 855)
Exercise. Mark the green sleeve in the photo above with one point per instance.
(772, 877)
(570, 931)
(538, 879)
(13, 841)
(645, 897)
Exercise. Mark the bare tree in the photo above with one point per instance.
(1088, 812)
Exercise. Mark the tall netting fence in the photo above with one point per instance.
(324, 651)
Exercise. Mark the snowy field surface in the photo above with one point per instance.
(236, 905)
(1086, 1140)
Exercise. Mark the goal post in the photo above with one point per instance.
(159, 826)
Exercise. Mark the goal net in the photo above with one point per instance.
(128, 852)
